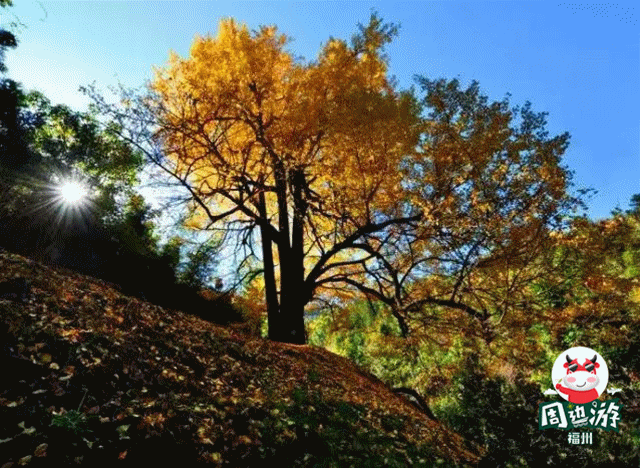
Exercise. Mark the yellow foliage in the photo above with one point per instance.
(349, 184)
(239, 105)
(634, 295)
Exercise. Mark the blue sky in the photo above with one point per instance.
(579, 62)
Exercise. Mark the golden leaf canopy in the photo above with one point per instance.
(240, 107)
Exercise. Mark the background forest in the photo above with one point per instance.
(429, 235)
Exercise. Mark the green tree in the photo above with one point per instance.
(200, 265)
(62, 145)
(13, 151)
(7, 38)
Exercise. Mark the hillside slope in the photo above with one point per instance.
(95, 378)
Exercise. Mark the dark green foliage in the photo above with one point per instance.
(72, 422)
(14, 153)
(104, 238)
(131, 257)
(170, 252)
(332, 434)
(200, 265)
(634, 205)
(7, 40)
(61, 144)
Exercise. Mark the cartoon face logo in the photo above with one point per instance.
(580, 375)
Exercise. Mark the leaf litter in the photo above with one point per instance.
(92, 377)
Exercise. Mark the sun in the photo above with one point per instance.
(64, 200)
(70, 200)
(73, 192)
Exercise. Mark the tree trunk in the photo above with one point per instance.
(291, 316)
(271, 292)
(289, 325)
(299, 298)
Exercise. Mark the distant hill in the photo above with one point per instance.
(92, 377)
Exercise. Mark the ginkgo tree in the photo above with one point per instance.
(347, 185)
(491, 191)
